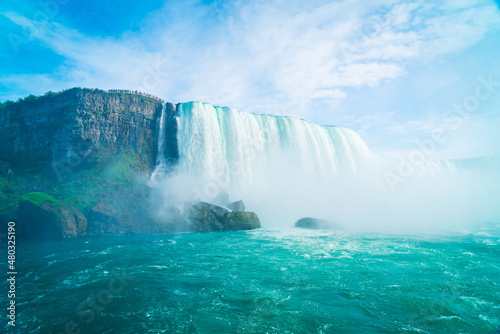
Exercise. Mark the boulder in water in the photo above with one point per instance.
(241, 221)
(238, 206)
(316, 224)
(206, 217)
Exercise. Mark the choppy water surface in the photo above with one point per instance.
(261, 281)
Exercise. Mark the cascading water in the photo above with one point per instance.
(224, 144)
(285, 168)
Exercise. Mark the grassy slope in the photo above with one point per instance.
(39, 198)
(112, 178)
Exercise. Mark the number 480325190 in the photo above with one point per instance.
(11, 245)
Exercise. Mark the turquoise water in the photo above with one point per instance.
(263, 281)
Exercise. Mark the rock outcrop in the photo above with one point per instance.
(316, 224)
(206, 217)
(41, 216)
(241, 221)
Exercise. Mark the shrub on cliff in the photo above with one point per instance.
(42, 216)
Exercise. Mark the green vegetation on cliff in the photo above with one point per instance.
(32, 98)
(9, 197)
(132, 95)
(112, 178)
(39, 198)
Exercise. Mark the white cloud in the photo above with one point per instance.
(263, 55)
(367, 74)
(335, 94)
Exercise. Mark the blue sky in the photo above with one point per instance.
(391, 70)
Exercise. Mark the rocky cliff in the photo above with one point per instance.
(66, 130)
(81, 146)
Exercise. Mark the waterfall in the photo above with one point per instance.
(242, 148)
(285, 168)
(161, 161)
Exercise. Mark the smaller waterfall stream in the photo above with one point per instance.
(161, 161)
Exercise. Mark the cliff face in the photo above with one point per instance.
(67, 131)
(82, 146)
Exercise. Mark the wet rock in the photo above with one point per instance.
(316, 224)
(209, 217)
(241, 221)
(206, 217)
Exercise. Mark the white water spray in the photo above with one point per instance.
(285, 168)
